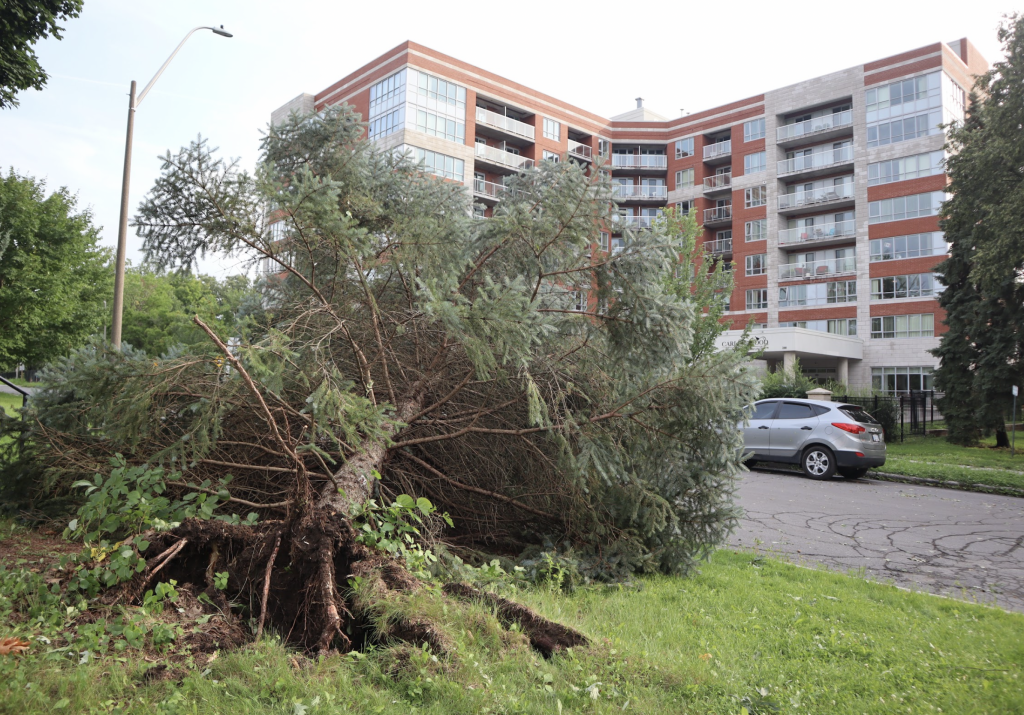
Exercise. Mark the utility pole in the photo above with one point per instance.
(122, 225)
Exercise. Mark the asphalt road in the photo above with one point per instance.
(962, 544)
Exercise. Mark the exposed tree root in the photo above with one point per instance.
(297, 575)
(546, 636)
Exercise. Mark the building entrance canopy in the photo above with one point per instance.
(786, 343)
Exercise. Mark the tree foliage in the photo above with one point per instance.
(158, 308)
(22, 24)
(53, 274)
(543, 393)
(984, 275)
(786, 383)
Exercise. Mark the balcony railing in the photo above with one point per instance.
(639, 161)
(718, 181)
(825, 268)
(581, 151)
(816, 160)
(818, 232)
(505, 158)
(719, 246)
(717, 149)
(718, 213)
(489, 189)
(633, 191)
(506, 124)
(822, 195)
(634, 222)
(816, 125)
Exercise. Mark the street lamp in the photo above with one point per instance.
(122, 228)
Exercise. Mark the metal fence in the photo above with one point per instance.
(914, 411)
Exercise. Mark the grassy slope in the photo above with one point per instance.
(746, 632)
(935, 458)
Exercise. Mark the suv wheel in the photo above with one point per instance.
(818, 463)
(853, 472)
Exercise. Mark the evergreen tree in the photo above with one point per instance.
(984, 223)
(544, 393)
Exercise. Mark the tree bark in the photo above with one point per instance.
(1002, 439)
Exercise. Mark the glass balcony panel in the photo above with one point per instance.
(633, 191)
(825, 268)
(639, 161)
(581, 150)
(719, 246)
(823, 123)
(816, 160)
(718, 213)
(505, 158)
(718, 149)
(821, 195)
(507, 124)
(802, 234)
(489, 189)
(718, 181)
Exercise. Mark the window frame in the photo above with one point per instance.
(748, 195)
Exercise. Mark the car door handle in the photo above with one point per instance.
(763, 427)
(806, 427)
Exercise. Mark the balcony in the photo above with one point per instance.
(827, 268)
(502, 159)
(821, 234)
(489, 190)
(718, 182)
(507, 125)
(638, 192)
(822, 127)
(580, 151)
(718, 215)
(633, 223)
(816, 162)
(639, 162)
(814, 198)
(718, 152)
(719, 247)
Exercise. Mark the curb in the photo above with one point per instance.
(946, 484)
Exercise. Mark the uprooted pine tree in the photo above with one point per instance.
(546, 394)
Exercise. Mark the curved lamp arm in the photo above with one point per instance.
(145, 90)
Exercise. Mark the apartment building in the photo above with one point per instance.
(822, 196)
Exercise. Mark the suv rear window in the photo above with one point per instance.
(857, 414)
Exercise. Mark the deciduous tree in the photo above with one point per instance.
(22, 24)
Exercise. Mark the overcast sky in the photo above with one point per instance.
(597, 55)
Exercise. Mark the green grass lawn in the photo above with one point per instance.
(935, 458)
(746, 633)
(9, 402)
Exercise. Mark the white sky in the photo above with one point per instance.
(692, 55)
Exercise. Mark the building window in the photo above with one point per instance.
(447, 167)
(578, 300)
(550, 156)
(756, 230)
(756, 196)
(915, 285)
(756, 264)
(904, 207)
(603, 241)
(684, 148)
(438, 106)
(757, 299)
(754, 129)
(684, 207)
(387, 106)
(909, 167)
(684, 177)
(909, 108)
(912, 246)
(841, 326)
(753, 163)
(552, 130)
(918, 325)
(818, 294)
(603, 147)
(901, 379)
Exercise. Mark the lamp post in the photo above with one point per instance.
(122, 227)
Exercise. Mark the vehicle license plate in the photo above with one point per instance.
(874, 438)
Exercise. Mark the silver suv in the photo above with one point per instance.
(822, 437)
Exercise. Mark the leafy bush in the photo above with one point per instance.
(786, 383)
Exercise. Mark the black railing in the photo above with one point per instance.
(25, 394)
